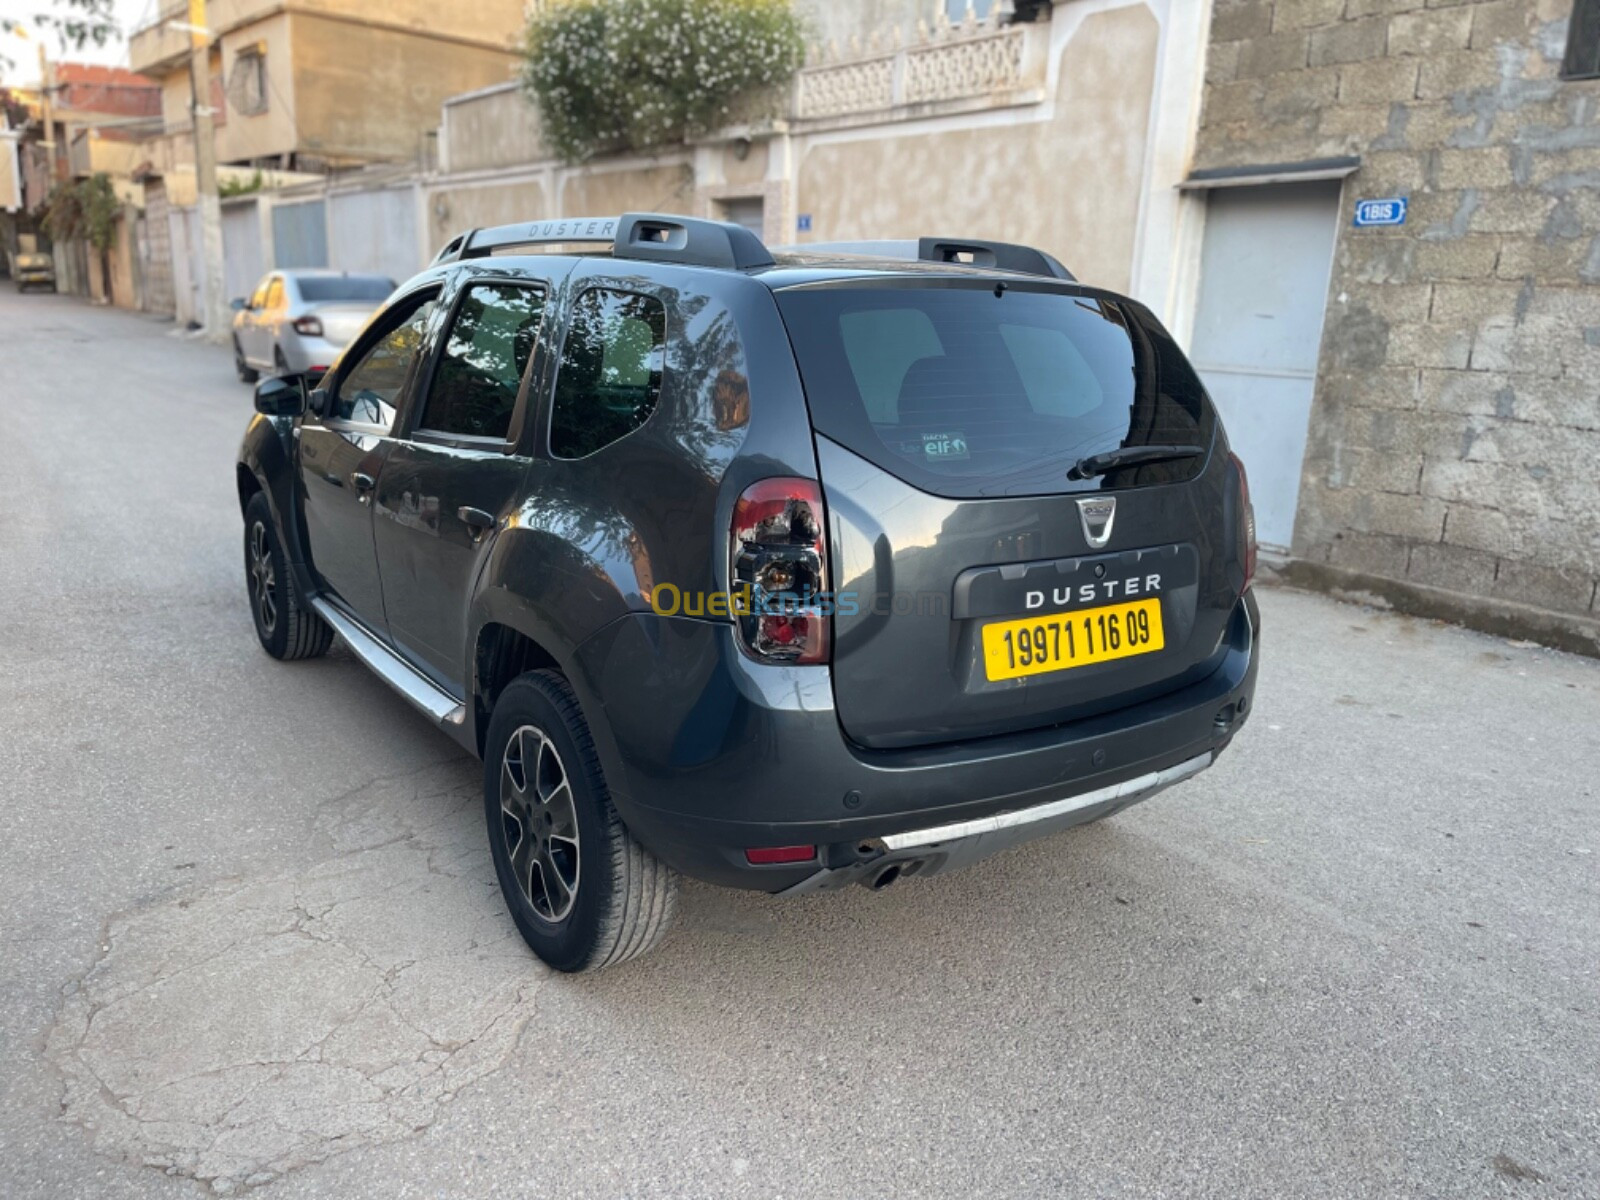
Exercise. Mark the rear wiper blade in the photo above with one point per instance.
(1130, 456)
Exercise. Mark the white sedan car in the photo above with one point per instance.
(296, 322)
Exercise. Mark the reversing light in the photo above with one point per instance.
(309, 326)
(767, 856)
(1247, 525)
(777, 571)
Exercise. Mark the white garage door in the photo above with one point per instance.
(1263, 290)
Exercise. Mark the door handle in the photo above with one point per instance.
(476, 520)
(363, 481)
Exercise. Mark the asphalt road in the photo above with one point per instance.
(251, 935)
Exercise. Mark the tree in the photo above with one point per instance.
(611, 75)
(88, 209)
(76, 23)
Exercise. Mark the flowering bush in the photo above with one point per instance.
(630, 74)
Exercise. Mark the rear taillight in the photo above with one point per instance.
(310, 326)
(1247, 525)
(777, 571)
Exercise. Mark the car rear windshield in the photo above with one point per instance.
(966, 390)
(322, 289)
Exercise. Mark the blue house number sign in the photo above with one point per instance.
(1381, 212)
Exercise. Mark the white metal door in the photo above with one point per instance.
(242, 259)
(749, 211)
(375, 232)
(1258, 324)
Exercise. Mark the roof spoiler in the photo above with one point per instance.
(651, 237)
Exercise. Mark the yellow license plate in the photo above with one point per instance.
(1038, 645)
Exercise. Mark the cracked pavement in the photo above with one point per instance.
(267, 1023)
(252, 941)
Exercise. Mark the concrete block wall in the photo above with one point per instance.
(1455, 437)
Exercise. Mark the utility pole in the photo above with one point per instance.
(47, 112)
(205, 174)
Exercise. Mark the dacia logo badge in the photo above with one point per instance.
(1097, 513)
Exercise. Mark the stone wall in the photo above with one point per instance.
(1455, 438)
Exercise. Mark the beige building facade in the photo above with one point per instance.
(327, 83)
(1055, 132)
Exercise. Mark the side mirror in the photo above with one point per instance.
(281, 396)
(238, 304)
(317, 402)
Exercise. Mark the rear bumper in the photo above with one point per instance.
(302, 352)
(708, 754)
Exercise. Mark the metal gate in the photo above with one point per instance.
(376, 232)
(243, 263)
(1263, 290)
(300, 234)
(188, 266)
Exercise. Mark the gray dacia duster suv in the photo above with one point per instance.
(782, 571)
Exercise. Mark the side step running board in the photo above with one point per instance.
(391, 668)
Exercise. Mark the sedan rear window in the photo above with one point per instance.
(316, 289)
(964, 391)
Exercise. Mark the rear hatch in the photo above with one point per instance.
(981, 587)
(342, 321)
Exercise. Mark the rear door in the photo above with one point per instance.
(257, 350)
(342, 454)
(457, 471)
(269, 319)
(981, 588)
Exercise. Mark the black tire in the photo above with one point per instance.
(621, 899)
(287, 627)
(246, 373)
(280, 364)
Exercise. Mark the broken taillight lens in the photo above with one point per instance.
(777, 571)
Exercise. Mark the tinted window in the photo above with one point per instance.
(965, 393)
(610, 374)
(369, 391)
(318, 289)
(480, 372)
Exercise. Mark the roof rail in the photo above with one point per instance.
(972, 252)
(650, 237)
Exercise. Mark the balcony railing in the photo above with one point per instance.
(974, 59)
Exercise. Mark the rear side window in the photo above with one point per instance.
(610, 375)
(966, 393)
(320, 289)
(480, 373)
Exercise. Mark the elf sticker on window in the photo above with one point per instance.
(943, 446)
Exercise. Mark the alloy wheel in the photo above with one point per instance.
(541, 823)
(263, 578)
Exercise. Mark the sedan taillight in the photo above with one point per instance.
(1247, 525)
(777, 571)
(310, 326)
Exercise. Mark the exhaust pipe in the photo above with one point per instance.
(893, 872)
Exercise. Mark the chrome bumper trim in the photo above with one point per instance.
(391, 668)
(1129, 789)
